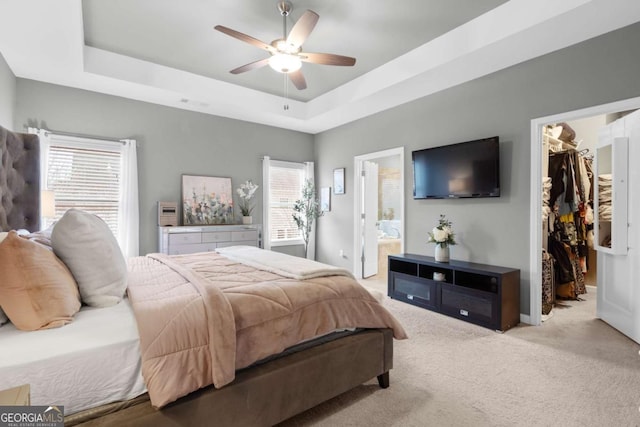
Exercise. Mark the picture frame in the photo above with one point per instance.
(206, 200)
(338, 181)
(325, 199)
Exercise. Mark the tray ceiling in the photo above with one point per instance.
(166, 52)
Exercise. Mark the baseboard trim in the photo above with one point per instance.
(525, 318)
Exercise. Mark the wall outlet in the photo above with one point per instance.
(341, 253)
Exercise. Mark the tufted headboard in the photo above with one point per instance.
(19, 181)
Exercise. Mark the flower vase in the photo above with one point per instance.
(246, 220)
(442, 252)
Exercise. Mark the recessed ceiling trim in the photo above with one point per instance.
(516, 31)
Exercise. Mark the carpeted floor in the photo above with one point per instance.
(574, 370)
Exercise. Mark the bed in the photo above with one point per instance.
(256, 381)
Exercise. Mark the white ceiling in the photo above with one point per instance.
(166, 51)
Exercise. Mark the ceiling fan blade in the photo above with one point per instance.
(250, 66)
(302, 28)
(298, 80)
(327, 59)
(245, 38)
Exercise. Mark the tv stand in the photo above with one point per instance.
(483, 294)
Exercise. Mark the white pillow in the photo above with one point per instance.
(85, 243)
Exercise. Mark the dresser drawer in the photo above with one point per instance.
(239, 243)
(221, 236)
(238, 236)
(184, 238)
(190, 249)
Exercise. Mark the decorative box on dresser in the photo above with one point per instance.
(204, 238)
(483, 294)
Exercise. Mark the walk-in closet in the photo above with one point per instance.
(568, 258)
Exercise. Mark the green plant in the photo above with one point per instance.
(305, 211)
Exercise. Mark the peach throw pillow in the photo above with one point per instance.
(37, 291)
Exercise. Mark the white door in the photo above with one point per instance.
(370, 220)
(618, 300)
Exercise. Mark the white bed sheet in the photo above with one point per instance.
(91, 361)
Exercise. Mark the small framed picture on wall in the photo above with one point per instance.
(338, 181)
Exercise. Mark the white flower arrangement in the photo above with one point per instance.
(442, 234)
(246, 192)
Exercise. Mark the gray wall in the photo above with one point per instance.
(7, 94)
(170, 142)
(587, 131)
(496, 230)
(493, 231)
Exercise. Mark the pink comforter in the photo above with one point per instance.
(203, 316)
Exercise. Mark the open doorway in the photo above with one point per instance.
(569, 258)
(378, 211)
(586, 124)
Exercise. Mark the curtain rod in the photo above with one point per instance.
(80, 135)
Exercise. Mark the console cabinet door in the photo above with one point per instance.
(469, 304)
(414, 290)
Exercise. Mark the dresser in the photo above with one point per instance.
(204, 238)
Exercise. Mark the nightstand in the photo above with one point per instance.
(17, 396)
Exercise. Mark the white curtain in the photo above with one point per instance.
(128, 213)
(45, 142)
(309, 175)
(266, 234)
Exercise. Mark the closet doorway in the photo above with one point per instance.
(379, 211)
(569, 259)
(586, 124)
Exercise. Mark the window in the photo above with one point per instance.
(285, 187)
(285, 182)
(96, 176)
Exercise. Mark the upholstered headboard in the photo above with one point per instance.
(19, 181)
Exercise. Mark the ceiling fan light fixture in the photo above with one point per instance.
(285, 63)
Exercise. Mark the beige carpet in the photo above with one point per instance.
(574, 370)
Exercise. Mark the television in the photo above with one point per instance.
(466, 169)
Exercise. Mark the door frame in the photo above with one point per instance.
(357, 195)
(535, 204)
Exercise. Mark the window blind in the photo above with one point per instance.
(85, 178)
(285, 186)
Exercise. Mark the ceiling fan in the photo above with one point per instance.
(286, 53)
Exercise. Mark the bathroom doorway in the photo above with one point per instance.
(379, 211)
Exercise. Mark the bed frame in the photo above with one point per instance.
(266, 394)
(261, 395)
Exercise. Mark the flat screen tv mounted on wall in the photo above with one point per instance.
(466, 169)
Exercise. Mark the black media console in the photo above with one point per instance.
(483, 294)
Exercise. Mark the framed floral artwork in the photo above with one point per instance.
(206, 200)
(338, 181)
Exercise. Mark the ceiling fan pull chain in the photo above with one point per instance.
(286, 93)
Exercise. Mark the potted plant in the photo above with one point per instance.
(442, 235)
(246, 192)
(305, 211)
